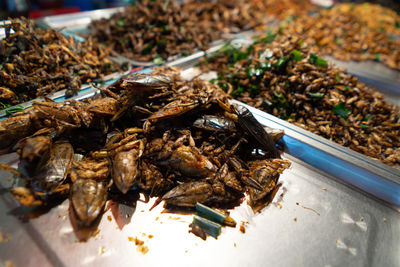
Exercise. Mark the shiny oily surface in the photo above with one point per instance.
(314, 220)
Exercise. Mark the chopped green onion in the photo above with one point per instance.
(317, 61)
(341, 111)
(397, 24)
(281, 62)
(166, 4)
(158, 60)
(121, 22)
(147, 49)
(296, 55)
(223, 86)
(269, 38)
(14, 109)
(337, 76)
(378, 57)
(211, 228)
(164, 28)
(316, 95)
(238, 92)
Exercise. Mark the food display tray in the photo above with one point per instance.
(374, 74)
(76, 25)
(334, 207)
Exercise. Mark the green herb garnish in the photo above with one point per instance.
(337, 77)
(147, 49)
(166, 4)
(315, 95)
(269, 38)
(158, 60)
(341, 111)
(296, 54)
(121, 22)
(317, 61)
(281, 62)
(12, 109)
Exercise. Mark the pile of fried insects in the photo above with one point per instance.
(181, 141)
(279, 74)
(36, 62)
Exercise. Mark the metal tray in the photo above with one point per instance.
(335, 207)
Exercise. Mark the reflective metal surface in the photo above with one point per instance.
(314, 220)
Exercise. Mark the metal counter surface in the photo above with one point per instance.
(344, 228)
(315, 219)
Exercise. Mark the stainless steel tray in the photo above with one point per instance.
(328, 212)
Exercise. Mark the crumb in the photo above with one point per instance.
(157, 218)
(142, 211)
(384, 219)
(96, 233)
(160, 222)
(143, 234)
(127, 216)
(138, 242)
(109, 218)
(101, 250)
(151, 236)
(242, 229)
(196, 244)
(186, 251)
(8, 264)
(297, 203)
(279, 204)
(361, 219)
(295, 219)
(174, 218)
(142, 249)
(307, 208)
(4, 237)
(324, 188)
(59, 216)
(234, 244)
